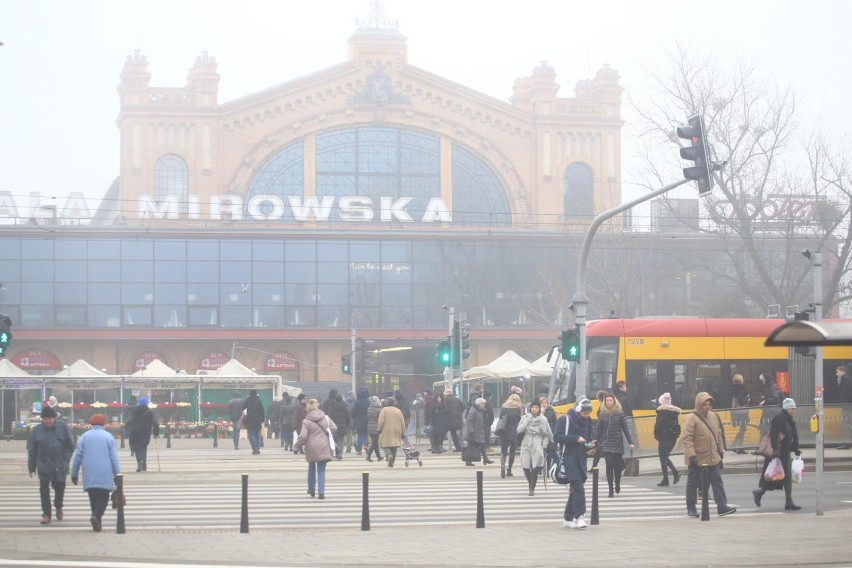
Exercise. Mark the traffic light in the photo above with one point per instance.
(5, 333)
(444, 353)
(366, 355)
(698, 152)
(345, 365)
(461, 341)
(570, 349)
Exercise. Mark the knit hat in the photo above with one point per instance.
(142, 401)
(47, 411)
(97, 420)
(516, 390)
(665, 398)
(585, 405)
(788, 404)
(479, 401)
(52, 400)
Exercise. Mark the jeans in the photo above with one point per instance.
(236, 435)
(693, 478)
(576, 504)
(254, 439)
(44, 492)
(456, 441)
(98, 499)
(287, 437)
(316, 477)
(360, 441)
(374, 446)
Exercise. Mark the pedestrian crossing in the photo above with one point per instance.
(271, 505)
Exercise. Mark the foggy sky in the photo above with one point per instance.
(61, 60)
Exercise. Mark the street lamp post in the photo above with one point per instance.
(816, 258)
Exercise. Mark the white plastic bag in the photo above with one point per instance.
(774, 471)
(797, 470)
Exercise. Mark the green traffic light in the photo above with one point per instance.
(444, 353)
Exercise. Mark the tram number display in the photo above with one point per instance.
(635, 341)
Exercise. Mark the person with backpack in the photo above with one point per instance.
(574, 433)
(666, 432)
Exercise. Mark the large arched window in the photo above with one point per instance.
(171, 178)
(578, 191)
(383, 162)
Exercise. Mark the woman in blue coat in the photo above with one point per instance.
(576, 440)
(97, 455)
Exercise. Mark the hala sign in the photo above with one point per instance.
(234, 208)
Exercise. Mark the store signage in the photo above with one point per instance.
(281, 361)
(213, 361)
(36, 360)
(143, 359)
(773, 209)
(355, 208)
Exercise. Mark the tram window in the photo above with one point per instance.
(698, 376)
(603, 359)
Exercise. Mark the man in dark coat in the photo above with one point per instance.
(235, 411)
(359, 419)
(140, 425)
(272, 424)
(253, 418)
(285, 418)
(338, 411)
(574, 447)
(454, 414)
(50, 449)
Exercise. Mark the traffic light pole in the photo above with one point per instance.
(355, 363)
(580, 301)
(818, 385)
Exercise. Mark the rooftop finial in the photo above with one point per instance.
(377, 17)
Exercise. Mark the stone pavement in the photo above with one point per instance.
(778, 539)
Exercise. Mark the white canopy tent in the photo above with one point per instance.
(506, 366)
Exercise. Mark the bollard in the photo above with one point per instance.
(480, 504)
(365, 501)
(705, 487)
(215, 436)
(168, 436)
(595, 514)
(119, 488)
(244, 512)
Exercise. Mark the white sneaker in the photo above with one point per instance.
(580, 522)
(568, 525)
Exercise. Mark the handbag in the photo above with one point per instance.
(631, 466)
(764, 448)
(500, 428)
(331, 443)
(114, 499)
(471, 454)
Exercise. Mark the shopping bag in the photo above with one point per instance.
(331, 444)
(774, 471)
(631, 466)
(797, 470)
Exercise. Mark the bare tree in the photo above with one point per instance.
(778, 192)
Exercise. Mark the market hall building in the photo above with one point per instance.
(370, 194)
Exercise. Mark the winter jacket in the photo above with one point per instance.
(300, 410)
(50, 451)
(622, 398)
(373, 418)
(667, 427)
(437, 418)
(704, 442)
(359, 411)
(513, 417)
(274, 409)
(476, 425)
(391, 427)
(772, 397)
(339, 413)
(285, 414)
(611, 426)
(537, 436)
(235, 409)
(782, 423)
(403, 405)
(254, 416)
(454, 412)
(140, 425)
(314, 436)
(573, 450)
(98, 456)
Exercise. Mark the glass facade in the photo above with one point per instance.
(129, 282)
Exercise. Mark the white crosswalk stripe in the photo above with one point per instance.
(448, 501)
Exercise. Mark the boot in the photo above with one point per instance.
(758, 495)
(617, 484)
(676, 476)
(610, 490)
(144, 466)
(664, 482)
(511, 463)
(790, 506)
(533, 482)
(502, 466)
